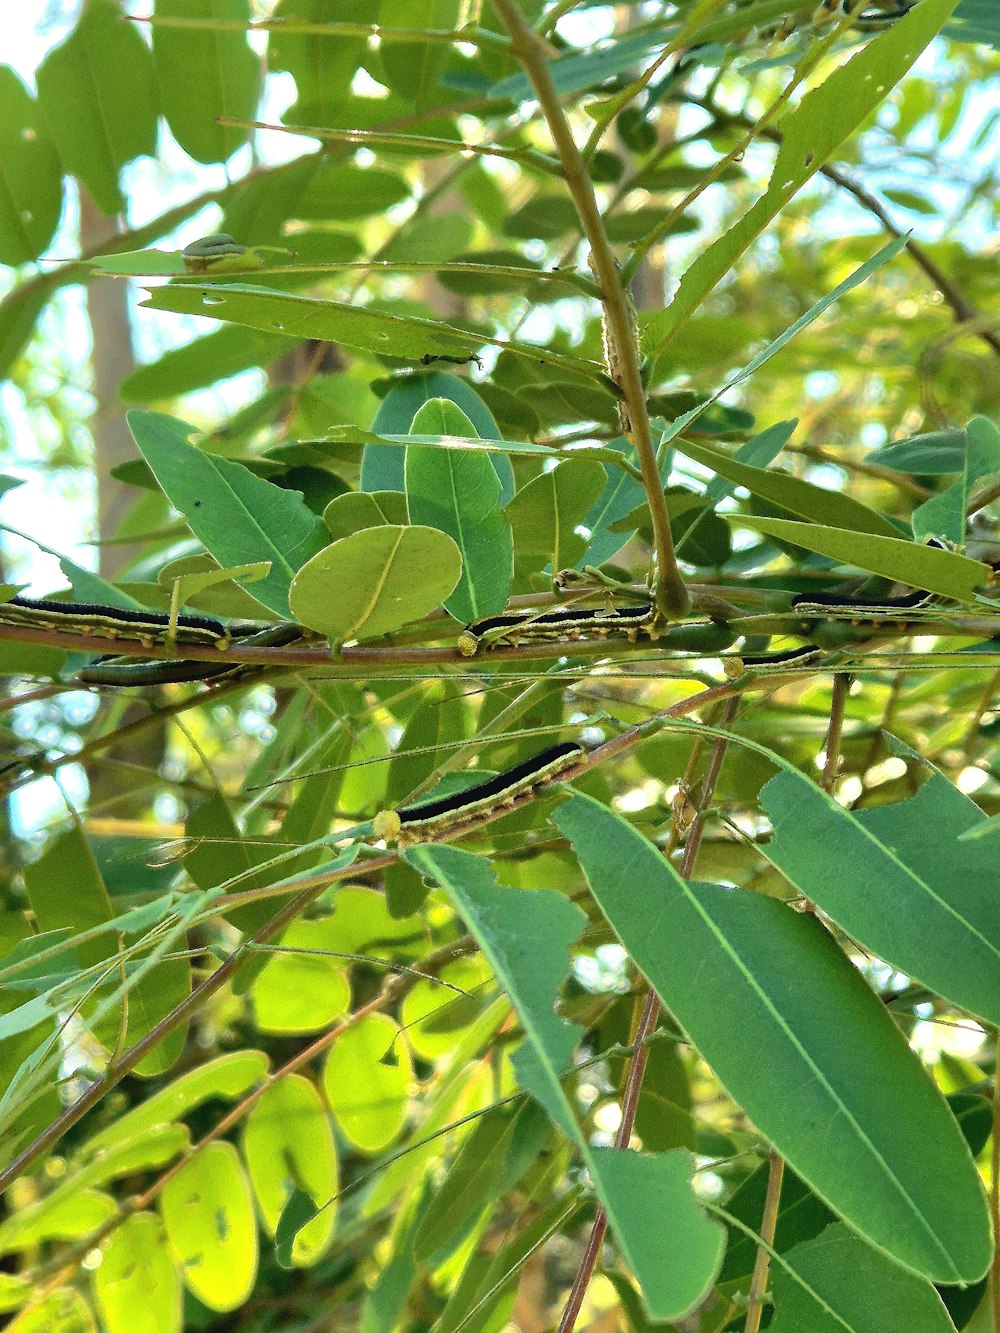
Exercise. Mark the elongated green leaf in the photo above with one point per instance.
(65, 1311)
(526, 937)
(375, 581)
(227, 1076)
(207, 1210)
(944, 572)
(414, 68)
(30, 175)
(482, 1300)
(893, 1164)
(240, 519)
(934, 454)
(490, 1162)
(943, 515)
(837, 1283)
(934, 916)
(546, 513)
(792, 493)
(458, 493)
(383, 467)
(99, 96)
(367, 1079)
(288, 1145)
(206, 73)
(335, 321)
(76, 1214)
(69, 860)
(811, 131)
(203, 361)
(137, 1287)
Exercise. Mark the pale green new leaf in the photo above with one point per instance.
(137, 1287)
(208, 1213)
(288, 1145)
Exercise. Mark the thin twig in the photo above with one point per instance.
(646, 1024)
(671, 595)
(762, 1264)
(838, 703)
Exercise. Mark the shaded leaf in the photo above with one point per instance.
(98, 93)
(30, 176)
(205, 73)
(896, 1168)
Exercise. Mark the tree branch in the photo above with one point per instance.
(623, 352)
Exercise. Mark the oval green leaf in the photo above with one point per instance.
(207, 1209)
(137, 1288)
(288, 1145)
(375, 581)
(367, 1080)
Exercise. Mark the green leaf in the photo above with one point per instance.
(19, 313)
(239, 518)
(322, 65)
(797, 496)
(288, 1147)
(866, 1128)
(347, 192)
(76, 1215)
(481, 1301)
(374, 581)
(202, 362)
(811, 132)
(30, 175)
(458, 493)
(367, 1078)
(932, 455)
(99, 96)
(526, 936)
(65, 1311)
(943, 515)
(207, 1210)
(350, 513)
(205, 73)
(943, 572)
(436, 725)
(935, 915)
(68, 859)
(301, 991)
(405, 336)
(414, 69)
(383, 467)
(296, 1215)
(839, 1283)
(137, 1288)
(503, 1143)
(545, 514)
(227, 1076)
